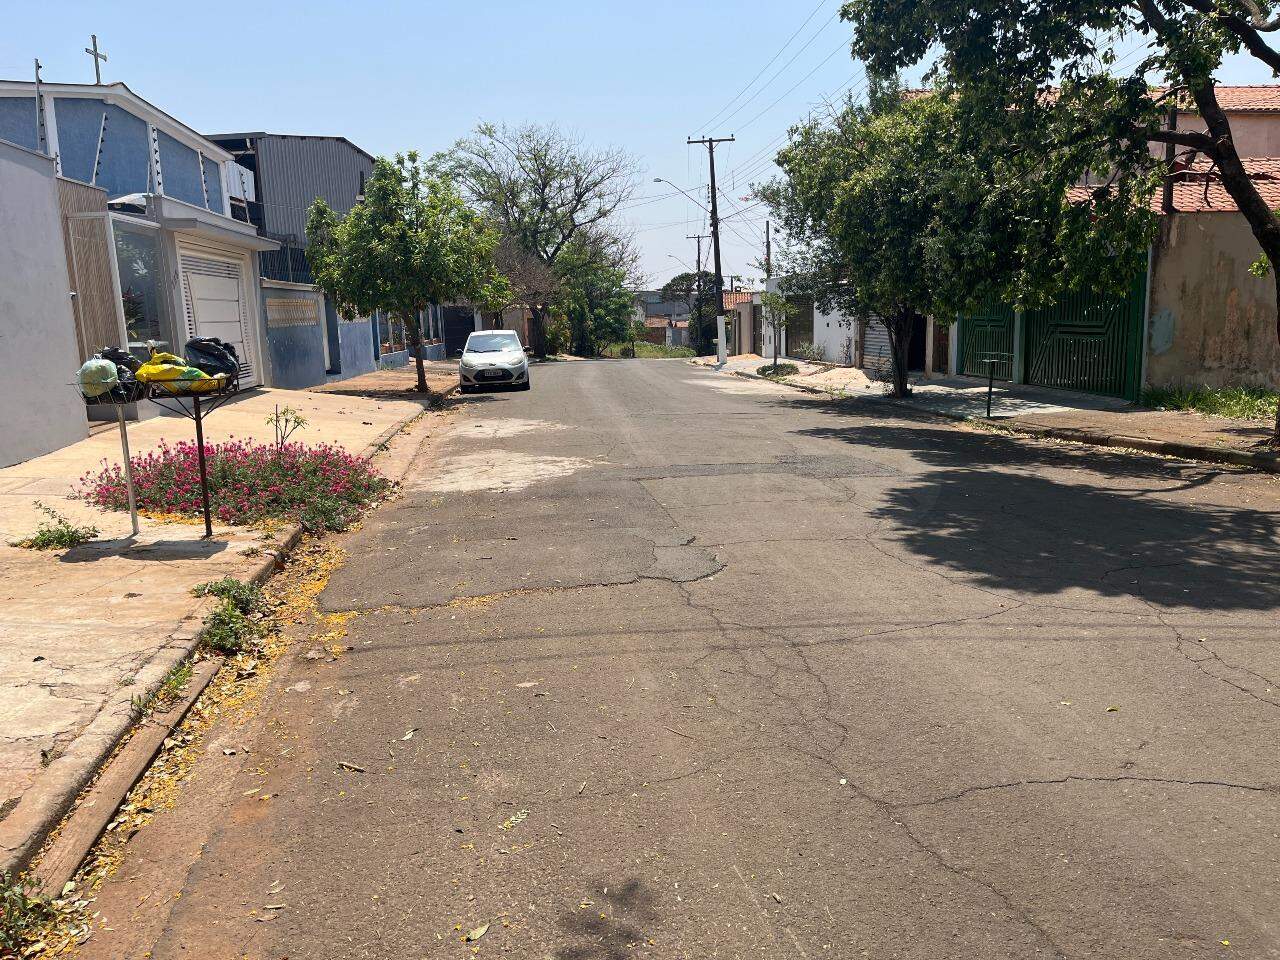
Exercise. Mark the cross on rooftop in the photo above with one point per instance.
(98, 58)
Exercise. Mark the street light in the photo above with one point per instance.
(682, 190)
(683, 263)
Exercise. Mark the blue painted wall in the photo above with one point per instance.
(180, 166)
(297, 350)
(124, 165)
(18, 121)
(213, 184)
(355, 345)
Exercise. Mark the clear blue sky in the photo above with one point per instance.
(399, 76)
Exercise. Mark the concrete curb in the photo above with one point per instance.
(46, 803)
(1265, 462)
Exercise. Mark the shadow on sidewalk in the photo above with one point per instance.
(130, 549)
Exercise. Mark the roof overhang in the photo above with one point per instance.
(122, 96)
(194, 221)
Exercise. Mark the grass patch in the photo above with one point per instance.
(770, 372)
(25, 916)
(644, 350)
(1238, 403)
(232, 626)
(56, 532)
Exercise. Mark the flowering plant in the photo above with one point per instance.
(322, 486)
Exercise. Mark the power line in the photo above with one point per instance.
(822, 63)
(781, 70)
(814, 13)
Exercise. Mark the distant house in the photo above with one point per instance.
(151, 252)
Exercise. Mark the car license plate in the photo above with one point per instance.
(491, 374)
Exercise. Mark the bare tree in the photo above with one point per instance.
(544, 189)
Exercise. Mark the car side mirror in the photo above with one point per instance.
(457, 353)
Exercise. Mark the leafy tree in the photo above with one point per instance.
(413, 241)
(777, 311)
(594, 295)
(902, 209)
(698, 290)
(544, 188)
(999, 59)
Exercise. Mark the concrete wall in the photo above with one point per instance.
(836, 336)
(42, 410)
(1209, 321)
(1254, 134)
(296, 347)
(355, 344)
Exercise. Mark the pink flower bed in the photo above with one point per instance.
(323, 486)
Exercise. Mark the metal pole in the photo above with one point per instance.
(204, 469)
(40, 140)
(991, 384)
(128, 468)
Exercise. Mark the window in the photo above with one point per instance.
(138, 257)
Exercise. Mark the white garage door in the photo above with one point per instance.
(213, 293)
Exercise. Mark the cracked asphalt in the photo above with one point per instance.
(653, 662)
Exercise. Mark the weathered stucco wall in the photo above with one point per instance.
(42, 410)
(1210, 321)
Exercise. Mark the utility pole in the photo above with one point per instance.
(1166, 200)
(697, 273)
(768, 252)
(710, 144)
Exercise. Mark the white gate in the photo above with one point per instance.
(214, 297)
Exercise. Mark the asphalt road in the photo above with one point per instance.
(654, 662)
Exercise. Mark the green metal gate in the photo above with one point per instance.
(988, 333)
(1088, 341)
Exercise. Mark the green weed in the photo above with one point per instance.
(56, 532)
(1238, 403)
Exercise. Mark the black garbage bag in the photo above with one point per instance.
(121, 358)
(213, 356)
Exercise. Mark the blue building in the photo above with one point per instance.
(309, 341)
(153, 252)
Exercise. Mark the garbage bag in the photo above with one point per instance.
(213, 356)
(121, 358)
(97, 377)
(168, 372)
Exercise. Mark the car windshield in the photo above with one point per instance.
(493, 343)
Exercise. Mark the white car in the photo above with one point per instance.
(493, 358)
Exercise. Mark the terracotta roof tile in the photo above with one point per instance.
(1201, 189)
(1244, 98)
(732, 299)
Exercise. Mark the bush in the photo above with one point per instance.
(323, 487)
(809, 352)
(245, 597)
(1240, 403)
(56, 532)
(778, 372)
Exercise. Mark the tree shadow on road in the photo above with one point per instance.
(1022, 516)
(613, 935)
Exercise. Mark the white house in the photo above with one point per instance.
(152, 252)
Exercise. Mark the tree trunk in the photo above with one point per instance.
(899, 330)
(415, 342)
(538, 332)
(1262, 221)
(777, 335)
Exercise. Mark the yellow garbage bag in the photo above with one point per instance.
(171, 373)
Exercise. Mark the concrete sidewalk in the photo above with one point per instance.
(85, 631)
(1044, 412)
